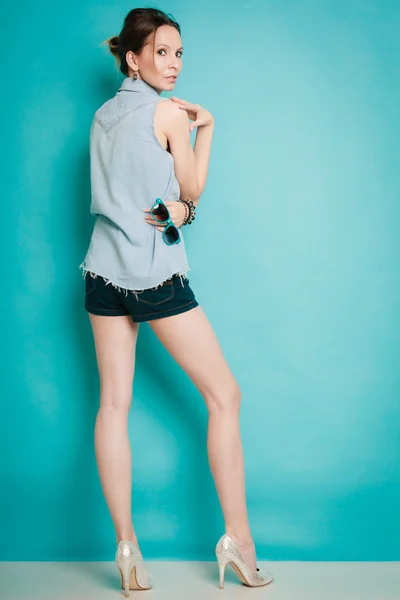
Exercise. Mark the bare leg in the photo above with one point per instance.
(115, 343)
(190, 339)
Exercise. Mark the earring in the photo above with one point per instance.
(134, 76)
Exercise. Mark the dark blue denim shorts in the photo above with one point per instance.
(173, 297)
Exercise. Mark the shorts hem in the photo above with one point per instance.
(166, 313)
(106, 313)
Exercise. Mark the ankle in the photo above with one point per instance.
(242, 539)
(126, 535)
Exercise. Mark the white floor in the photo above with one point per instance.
(199, 581)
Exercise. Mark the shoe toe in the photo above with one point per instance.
(267, 577)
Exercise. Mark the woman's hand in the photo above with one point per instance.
(176, 211)
(196, 113)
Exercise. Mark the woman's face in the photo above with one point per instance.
(160, 62)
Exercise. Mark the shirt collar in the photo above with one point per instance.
(138, 85)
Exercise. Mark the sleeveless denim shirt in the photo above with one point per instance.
(129, 169)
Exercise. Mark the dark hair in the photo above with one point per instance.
(139, 23)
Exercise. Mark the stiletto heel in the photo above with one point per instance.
(129, 561)
(227, 551)
(222, 562)
(126, 570)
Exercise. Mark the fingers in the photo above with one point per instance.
(159, 227)
(185, 103)
(177, 214)
(151, 221)
(175, 210)
(193, 125)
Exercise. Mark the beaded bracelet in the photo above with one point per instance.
(190, 215)
(192, 210)
(187, 212)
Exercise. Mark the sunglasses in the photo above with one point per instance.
(160, 213)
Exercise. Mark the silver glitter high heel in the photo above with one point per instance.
(227, 551)
(129, 561)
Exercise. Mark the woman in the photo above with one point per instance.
(146, 181)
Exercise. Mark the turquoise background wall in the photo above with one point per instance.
(294, 257)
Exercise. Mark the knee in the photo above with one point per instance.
(227, 399)
(115, 402)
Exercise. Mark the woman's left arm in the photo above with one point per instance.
(202, 150)
(204, 121)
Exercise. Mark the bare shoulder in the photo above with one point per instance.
(169, 112)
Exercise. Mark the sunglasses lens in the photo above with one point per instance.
(160, 212)
(171, 234)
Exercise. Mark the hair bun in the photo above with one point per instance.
(113, 44)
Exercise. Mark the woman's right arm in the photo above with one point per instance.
(191, 164)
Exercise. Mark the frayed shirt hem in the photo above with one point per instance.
(85, 270)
